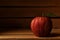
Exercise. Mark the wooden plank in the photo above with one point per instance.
(28, 12)
(23, 23)
(56, 23)
(29, 2)
(28, 34)
(15, 23)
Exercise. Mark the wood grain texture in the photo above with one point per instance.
(28, 34)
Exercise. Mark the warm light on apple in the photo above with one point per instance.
(41, 26)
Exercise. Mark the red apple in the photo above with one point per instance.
(41, 26)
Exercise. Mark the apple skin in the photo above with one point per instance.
(41, 26)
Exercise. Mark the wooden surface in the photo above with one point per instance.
(28, 34)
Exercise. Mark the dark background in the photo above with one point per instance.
(11, 12)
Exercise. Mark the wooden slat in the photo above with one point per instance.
(27, 12)
(15, 23)
(29, 2)
(24, 23)
(56, 23)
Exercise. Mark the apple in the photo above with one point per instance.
(41, 26)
